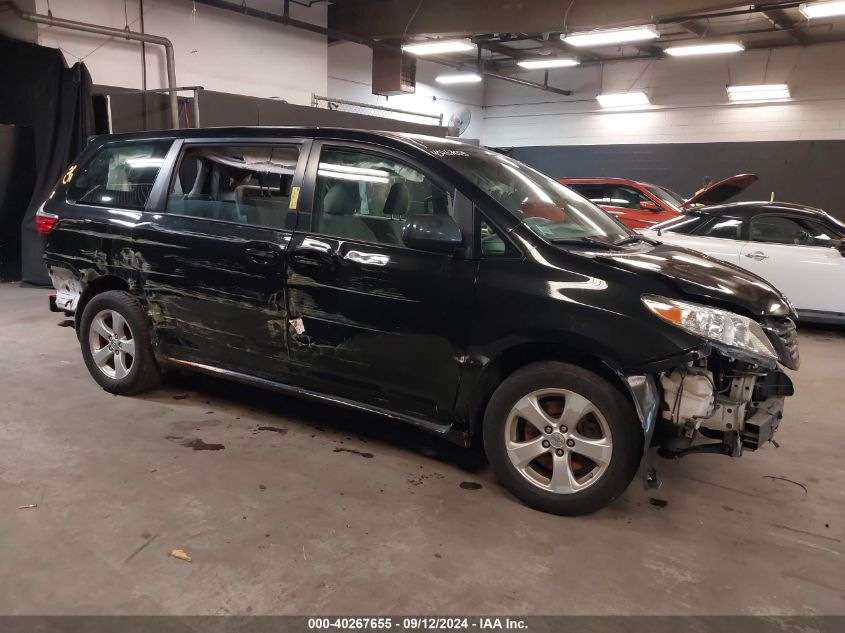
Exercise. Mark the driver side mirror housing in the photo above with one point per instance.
(648, 205)
(436, 232)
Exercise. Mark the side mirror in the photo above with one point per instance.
(648, 205)
(438, 233)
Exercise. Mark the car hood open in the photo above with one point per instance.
(722, 191)
(703, 278)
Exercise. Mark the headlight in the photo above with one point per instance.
(720, 326)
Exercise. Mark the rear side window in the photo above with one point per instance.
(248, 185)
(119, 175)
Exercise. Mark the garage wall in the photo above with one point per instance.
(217, 49)
(18, 29)
(805, 172)
(688, 97)
(350, 77)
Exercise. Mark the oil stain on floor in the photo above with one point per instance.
(195, 443)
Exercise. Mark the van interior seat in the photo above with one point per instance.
(263, 206)
(398, 200)
(339, 213)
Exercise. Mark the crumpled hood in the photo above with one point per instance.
(703, 278)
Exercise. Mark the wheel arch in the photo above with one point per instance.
(521, 355)
(96, 286)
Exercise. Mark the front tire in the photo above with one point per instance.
(562, 439)
(115, 340)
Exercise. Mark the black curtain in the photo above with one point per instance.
(17, 181)
(38, 91)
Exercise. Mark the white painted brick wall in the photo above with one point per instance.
(350, 77)
(217, 49)
(223, 51)
(689, 102)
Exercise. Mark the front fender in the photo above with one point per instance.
(646, 397)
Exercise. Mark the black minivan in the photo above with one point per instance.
(444, 285)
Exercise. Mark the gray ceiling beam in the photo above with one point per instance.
(404, 18)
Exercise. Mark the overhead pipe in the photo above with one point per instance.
(286, 20)
(112, 32)
(530, 84)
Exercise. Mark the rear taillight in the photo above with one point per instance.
(45, 222)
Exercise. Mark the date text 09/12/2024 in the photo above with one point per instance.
(419, 623)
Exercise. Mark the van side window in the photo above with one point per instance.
(248, 185)
(491, 242)
(369, 197)
(119, 175)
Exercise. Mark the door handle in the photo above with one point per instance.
(262, 255)
(314, 254)
(369, 259)
(757, 256)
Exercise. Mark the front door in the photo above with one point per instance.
(799, 256)
(626, 204)
(210, 257)
(372, 320)
(721, 237)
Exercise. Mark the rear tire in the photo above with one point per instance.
(115, 340)
(562, 439)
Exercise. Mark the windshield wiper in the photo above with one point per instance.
(632, 239)
(581, 241)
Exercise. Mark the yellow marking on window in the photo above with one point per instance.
(294, 197)
(68, 174)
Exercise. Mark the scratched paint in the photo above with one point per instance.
(415, 332)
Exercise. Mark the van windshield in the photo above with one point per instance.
(548, 208)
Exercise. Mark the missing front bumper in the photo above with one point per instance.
(761, 427)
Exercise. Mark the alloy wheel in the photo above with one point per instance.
(112, 344)
(558, 440)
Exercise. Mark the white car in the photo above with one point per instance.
(798, 249)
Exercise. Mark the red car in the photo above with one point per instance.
(639, 204)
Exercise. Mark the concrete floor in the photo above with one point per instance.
(310, 509)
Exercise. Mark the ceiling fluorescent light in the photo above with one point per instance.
(458, 78)
(438, 47)
(704, 49)
(762, 92)
(612, 36)
(623, 99)
(555, 62)
(823, 9)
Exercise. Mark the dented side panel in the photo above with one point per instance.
(426, 336)
(382, 325)
(78, 252)
(207, 300)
